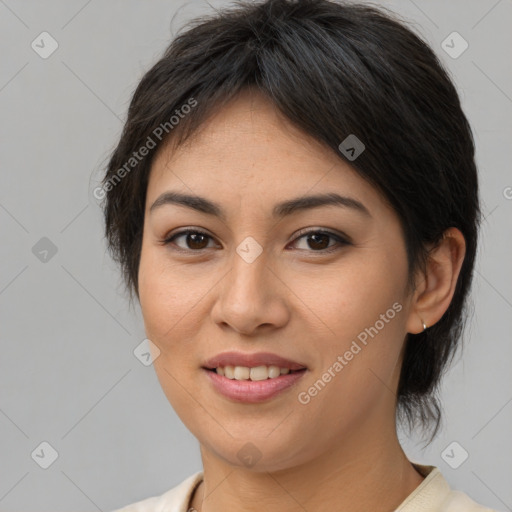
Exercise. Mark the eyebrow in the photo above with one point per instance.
(280, 210)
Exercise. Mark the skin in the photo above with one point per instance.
(340, 451)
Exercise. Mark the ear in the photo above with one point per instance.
(435, 287)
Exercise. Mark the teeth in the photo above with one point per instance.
(256, 373)
(242, 372)
(260, 373)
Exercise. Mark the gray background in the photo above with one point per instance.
(68, 375)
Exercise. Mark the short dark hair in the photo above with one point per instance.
(333, 69)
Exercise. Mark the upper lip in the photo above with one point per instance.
(251, 360)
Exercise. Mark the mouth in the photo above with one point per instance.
(256, 373)
(252, 378)
(245, 360)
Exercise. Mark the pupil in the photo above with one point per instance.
(316, 244)
(194, 237)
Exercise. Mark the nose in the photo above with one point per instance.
(251, 298)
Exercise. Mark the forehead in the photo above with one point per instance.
(247, 148)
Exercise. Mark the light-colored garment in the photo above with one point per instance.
(432, 495)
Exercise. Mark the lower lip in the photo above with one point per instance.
(252, 392)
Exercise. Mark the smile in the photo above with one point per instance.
(256, 373)
(238, 385)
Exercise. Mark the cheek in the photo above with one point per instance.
(164, 308)
(358, 367)
(362, 308)
(356, 295)
(169, 306)
(167, 296)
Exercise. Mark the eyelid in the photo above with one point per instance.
(167, 239)
(325, 231)
(341, 239)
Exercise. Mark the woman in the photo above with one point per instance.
(294, 203)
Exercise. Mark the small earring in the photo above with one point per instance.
(425, 326)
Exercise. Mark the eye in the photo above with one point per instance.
(318, 241)
(194, 240)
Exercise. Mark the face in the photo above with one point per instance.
(322, 286)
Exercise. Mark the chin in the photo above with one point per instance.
(272, 453)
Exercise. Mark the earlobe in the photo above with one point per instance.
(432, 298)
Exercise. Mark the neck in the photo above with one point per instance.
(369, 471)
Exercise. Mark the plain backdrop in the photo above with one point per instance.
(68, 374)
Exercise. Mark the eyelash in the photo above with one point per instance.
(341, 241)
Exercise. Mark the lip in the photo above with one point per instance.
(251, 360)
(252, 392)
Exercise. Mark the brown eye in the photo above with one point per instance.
(194, 240)
(316, 241)
(319, 241)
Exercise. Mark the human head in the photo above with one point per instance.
(332, 69)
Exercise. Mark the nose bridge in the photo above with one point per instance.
(248, 296)
(247, 281)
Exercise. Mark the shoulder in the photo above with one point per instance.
(434, 494)
(457, 501)
(174, 500)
